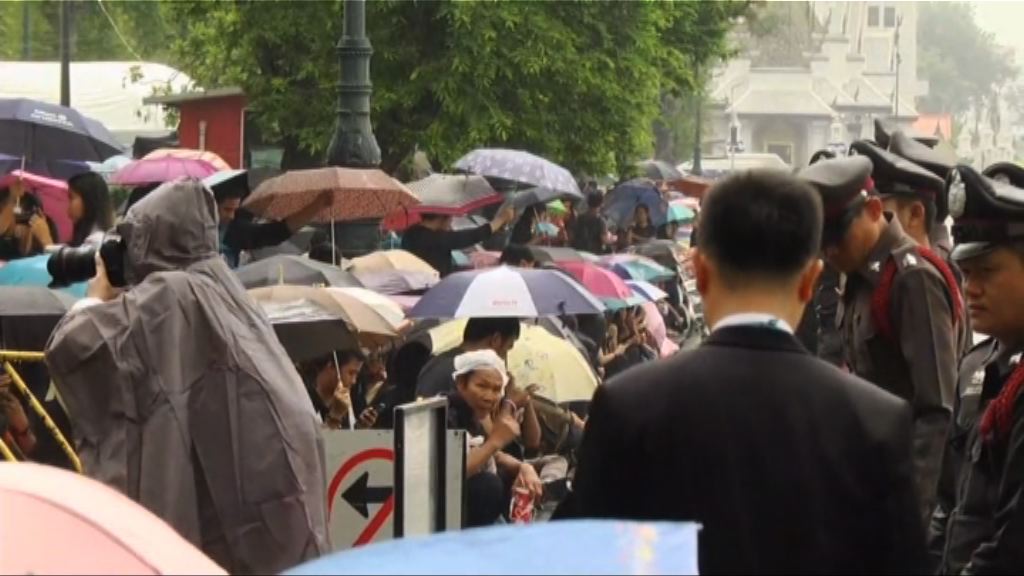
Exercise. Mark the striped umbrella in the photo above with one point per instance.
(356, 194)
(506, 292)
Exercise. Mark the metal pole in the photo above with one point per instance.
(353, 144)
(899, 22)
(697, 170)
(26, 31)
(65, 53)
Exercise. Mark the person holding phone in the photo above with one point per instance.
(478, 405)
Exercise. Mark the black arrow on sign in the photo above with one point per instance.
(360, 494)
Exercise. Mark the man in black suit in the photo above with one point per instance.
(789, 464)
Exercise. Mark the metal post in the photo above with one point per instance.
(353, 144)
(65, 53)
(697, 170)
(26, 31)
(899, 23)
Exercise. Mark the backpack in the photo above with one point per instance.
(882, 296)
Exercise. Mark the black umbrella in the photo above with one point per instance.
(288, 269)
(659, 170)
(664, 252)
(28, 314)
(43, 132)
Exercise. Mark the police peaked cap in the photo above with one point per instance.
(1007, 172)
(935, 161)
(898, 176)
(985, 212)
(843, 184)
(823, 154)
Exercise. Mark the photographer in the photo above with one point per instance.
(24, 229)
(180, 393)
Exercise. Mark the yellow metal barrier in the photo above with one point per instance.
(8, 356)
(6, 452)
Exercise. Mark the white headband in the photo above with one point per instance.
(470, 361)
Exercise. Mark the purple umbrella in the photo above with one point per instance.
(40, 131)
(159, 170)
(522, 168)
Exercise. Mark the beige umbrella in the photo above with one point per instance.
(390, 260)
(357, 194)
(287, 304)
(386, 307)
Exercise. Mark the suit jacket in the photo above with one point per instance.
(789, 464)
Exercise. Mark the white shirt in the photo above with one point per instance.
(754, 319)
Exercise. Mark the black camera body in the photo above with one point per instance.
(70, 265)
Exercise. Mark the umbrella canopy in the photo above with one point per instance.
(303, 315)
(646, 290)
(656, 326)
(159, 170)
(557, 208)
(561, 254)
(29, 313)
(659, 170)
(40, 132)
(506, 292)
(602, 283)
(52, 194)
(32, 272)
(620, 204)
(384, 306)
(59, 522)
(637, 267)
(448, 194)
(357, 194)
(665, 252)
(520, 167)
(538, 195)
(290, 269)
(568, 547)
(539, 357)
(484, 259)
(394, 272)
(229, 179)
(8, 163)
(190, 154)
(678, 211)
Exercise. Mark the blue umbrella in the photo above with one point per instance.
(32, 272)
(576, 547)
(621, 203)
(506, 292)
(522, 168)
(40, 131)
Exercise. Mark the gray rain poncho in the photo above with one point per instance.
(182, 398)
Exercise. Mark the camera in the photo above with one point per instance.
(69, 265)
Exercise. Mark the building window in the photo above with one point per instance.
(890, 17)
(873, 16)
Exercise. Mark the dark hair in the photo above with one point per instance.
(760, 223)
(346, 356)
(516, 254)
(97, 214)
(310, 368)
(138, 193)
(479, 328)
(595, 199)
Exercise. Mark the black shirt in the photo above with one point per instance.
(589, 234)
(436, 376)
(435, 246)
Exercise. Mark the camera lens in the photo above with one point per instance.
(69, 265)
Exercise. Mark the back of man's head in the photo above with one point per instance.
(760, 226)
(594, 200)
(480, 329)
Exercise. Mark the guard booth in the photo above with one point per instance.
(385, 484)
(211, 120)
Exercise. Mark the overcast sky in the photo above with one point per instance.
(1005, 19)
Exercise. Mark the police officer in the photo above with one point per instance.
(985, 533)
(940, 164)
(897, 316)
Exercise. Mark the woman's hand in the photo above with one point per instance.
(529, 479)
(367, 419)
(505, 428)
(338, 406)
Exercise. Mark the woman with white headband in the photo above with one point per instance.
(478, 406)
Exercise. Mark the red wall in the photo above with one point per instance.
(223, 118)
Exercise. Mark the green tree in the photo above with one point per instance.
(579, 82)
(962, 63)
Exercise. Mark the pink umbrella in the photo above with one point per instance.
(601, 282)
(52, 193)
(58, 522)
(160, 170)
(484, 259)
(189, 154)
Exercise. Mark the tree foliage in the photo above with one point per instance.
(576, 81)
(962, 63)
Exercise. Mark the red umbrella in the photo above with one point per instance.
(601, 282)
(58, 522)
(356, 194)
(160, 170)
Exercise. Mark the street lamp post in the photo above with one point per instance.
(353, 144)
(65, 53)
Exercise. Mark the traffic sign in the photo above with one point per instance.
(360, 492)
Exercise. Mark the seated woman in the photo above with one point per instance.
(477, 406)
(24, 229)
(643, 230)
(89, 208)
(329, 386)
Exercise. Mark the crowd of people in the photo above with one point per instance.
(838, 418)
